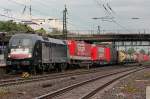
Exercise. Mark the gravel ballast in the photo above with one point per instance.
(131, 87)
(31, 90)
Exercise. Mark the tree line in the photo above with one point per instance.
(12, 27)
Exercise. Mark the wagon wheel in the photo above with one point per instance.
(63, 67)
(40, 68)
(33, 69)
(8, 70)
(48, 68)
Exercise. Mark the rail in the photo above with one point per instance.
(69, 88)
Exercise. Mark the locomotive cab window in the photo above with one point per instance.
(21, 42)
(21, 45)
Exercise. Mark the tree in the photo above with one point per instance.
(131, 51)
(41, 31)
(13, 27)
(142, 51)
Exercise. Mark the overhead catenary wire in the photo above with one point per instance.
(10, 17)
(28, 6)
(110, 14)
(102, 5)
(8, 13)
(78, 29)
(75, 25)
(110, 8)
(69, 21)
(106, 9)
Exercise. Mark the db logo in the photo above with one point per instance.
(81, 47)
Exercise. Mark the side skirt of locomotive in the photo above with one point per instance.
(28, 66)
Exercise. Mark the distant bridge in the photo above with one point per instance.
(111, 37)
(120, 40)
(97, 37)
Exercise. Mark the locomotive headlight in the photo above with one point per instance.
(8, 55)
(30, 55)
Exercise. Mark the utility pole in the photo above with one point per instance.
(98, 29)
(65, 23)
(30, 11)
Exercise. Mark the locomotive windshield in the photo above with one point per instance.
(21, 42)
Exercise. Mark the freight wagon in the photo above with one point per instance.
(105, 55)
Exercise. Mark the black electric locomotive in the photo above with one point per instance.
(34, 53)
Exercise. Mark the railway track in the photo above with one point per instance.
(16, 81)
(100, 88)
(66, 90)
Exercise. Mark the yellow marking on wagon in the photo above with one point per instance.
(25, 75)
(122, 56)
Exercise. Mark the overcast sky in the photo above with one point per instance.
(81, 12)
